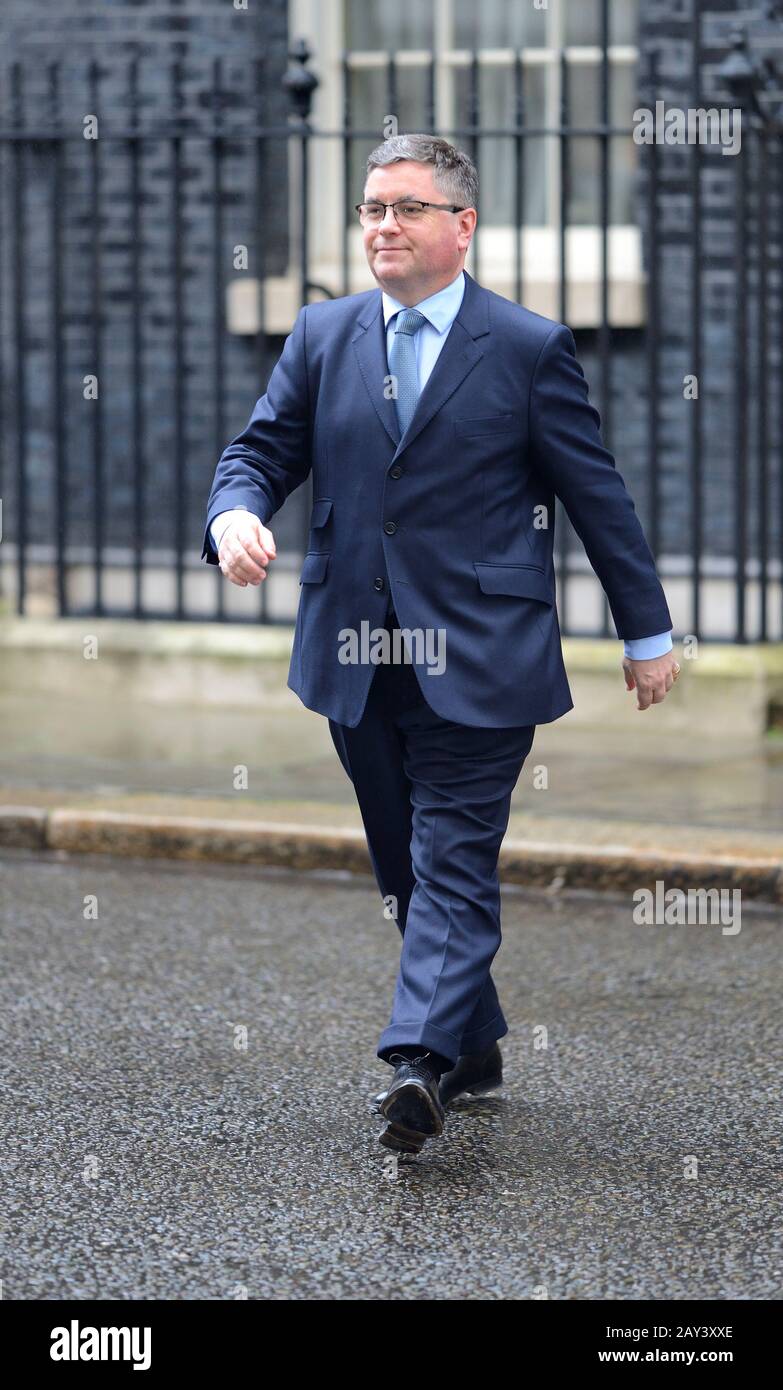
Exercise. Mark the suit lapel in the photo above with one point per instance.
(456, 359)
(370, 344)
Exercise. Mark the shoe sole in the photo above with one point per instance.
(411, 1112)
(399, 1140)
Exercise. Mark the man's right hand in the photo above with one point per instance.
(246, 548)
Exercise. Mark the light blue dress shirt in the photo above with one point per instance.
(440, 311)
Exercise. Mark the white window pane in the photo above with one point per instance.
(624, 21)
(370, 105)
(582, 21)
(584, 152)
(623, 93)
(584, 94)
(584, 206)
(498, 24)
(497, 155)
(373, 24)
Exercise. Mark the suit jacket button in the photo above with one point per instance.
(378, 584)
(395, 472)
(390, 527)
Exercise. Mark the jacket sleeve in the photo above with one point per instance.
(272, 455)
(567, 450)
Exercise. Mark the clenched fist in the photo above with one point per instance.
(651, 679)
(246, 548)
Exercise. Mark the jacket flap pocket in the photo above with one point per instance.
(484, 424)
(320, 513)
(522, 581)
(314, 567)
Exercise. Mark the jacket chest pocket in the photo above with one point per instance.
(485, 424)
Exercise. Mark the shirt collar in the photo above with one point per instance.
(440, 309)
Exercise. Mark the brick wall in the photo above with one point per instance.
(666, 28)
(252, 48)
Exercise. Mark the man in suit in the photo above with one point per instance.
(440, 421)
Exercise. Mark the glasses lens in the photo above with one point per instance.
(371, 212)
(409, 211)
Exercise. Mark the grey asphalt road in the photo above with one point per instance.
(186, 1079)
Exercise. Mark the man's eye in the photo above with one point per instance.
(411, 209)
(374, 210)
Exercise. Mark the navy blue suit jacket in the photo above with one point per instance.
(455, 520)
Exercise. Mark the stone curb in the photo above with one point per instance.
(615, 868)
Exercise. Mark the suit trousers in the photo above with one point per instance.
(435, 798)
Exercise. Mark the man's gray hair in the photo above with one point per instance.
(455, 173)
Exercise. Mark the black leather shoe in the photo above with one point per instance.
(411, 1106)
(393, 1138)
(475, 1073)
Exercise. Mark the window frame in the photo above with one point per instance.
(324, 28)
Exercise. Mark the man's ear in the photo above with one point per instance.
(467, 223)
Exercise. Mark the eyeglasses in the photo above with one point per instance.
(406, 210)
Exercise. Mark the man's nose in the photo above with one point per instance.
(388, 221)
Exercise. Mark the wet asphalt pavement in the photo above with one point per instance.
(186, 1083)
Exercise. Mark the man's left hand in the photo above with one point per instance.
(652, 679)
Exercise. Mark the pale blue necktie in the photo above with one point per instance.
(402, 365)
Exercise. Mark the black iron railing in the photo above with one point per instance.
(144, 447)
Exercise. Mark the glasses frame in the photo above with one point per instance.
(376, 202)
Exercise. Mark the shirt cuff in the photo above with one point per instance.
(220, 522)
(644, 648)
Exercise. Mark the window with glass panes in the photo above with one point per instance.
(518, 69)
